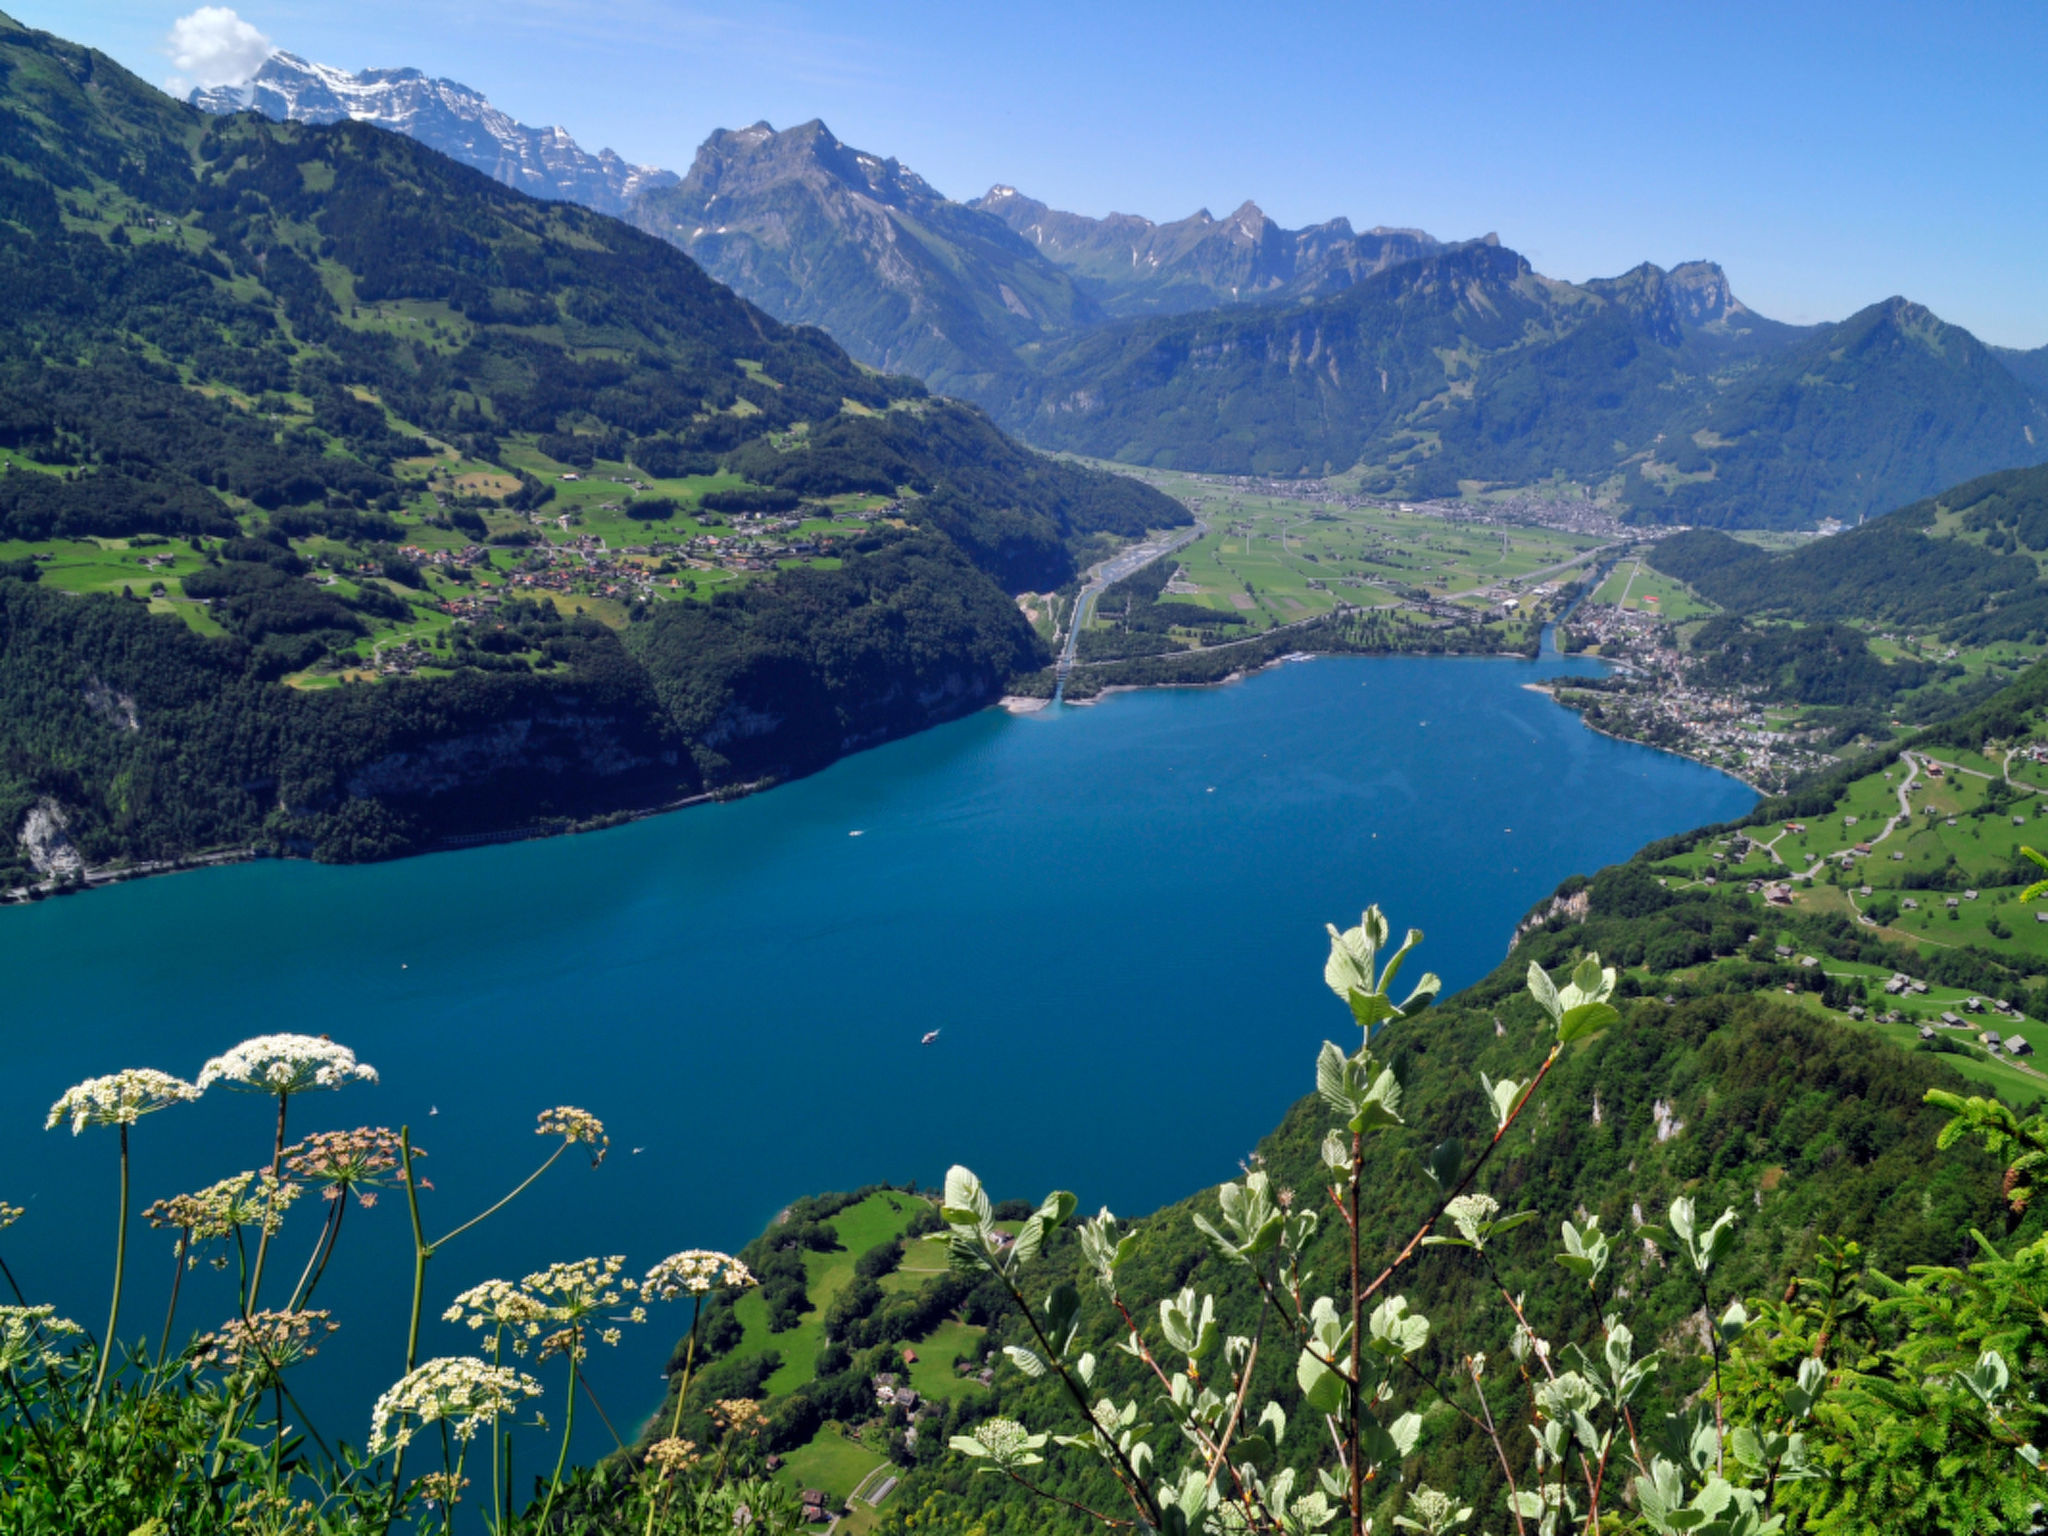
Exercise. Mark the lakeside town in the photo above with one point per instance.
(1653, 695)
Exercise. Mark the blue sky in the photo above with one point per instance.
(1828, 155)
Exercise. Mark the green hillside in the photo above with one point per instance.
(351, 479)
(1889, 405)
(1966, 563)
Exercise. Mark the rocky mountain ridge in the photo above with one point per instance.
(445, 115)
(1139, 267)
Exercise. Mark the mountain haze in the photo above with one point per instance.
(1136, 267)
(445, 115)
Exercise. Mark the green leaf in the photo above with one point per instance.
(1062, 1307)
(1541, 988)
(1369, 1008)
(1586, 1020)
(1029, 1361)
(965, 1201)
(1323, 1388)
(1252, 1450)
(1446, 1158)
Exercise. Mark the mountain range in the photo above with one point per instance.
(1238, 346)
(250, 337)
(445, 115)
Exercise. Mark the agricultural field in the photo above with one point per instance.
(1633, 585)
(834, 1460)
(1948, 876)
(1277, 559)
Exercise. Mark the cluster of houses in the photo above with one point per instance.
(1657, 702)
(2014, 1044)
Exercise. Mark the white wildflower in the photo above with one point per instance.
(1470, 1213)
(1004, 1442)
(499, 1304)
(285, 1064)
(695, 1272)
(28, 1336)
(1432, 1513)
(121, 1099)
(462, 1391)
(576, 1124)
(265, 1343)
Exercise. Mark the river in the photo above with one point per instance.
(1112, 914)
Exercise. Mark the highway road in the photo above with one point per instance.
(1110, 572)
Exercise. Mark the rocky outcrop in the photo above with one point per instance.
(1573, 908)
(46, 840)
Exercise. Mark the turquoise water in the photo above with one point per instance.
(1114, 915)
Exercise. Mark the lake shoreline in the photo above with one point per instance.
(1549, 691)
(1014, 704)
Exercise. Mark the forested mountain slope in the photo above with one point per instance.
(1467, 366)
(291, 357)
(1236, 346)
(1966, 563)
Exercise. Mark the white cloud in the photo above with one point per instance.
(213, 46)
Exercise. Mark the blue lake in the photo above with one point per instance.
(1114, 915)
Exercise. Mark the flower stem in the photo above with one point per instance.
(420, 1254)
(163, 1350)
(682, 1396)
(562, 1457)
(276, 1164)
(516, 1193)
(107, 1346)
(323, 1249)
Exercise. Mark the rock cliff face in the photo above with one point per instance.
(445, 115)
(817, 232)
(1137, 267)
(558, 744)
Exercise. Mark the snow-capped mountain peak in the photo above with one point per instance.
(445, 115)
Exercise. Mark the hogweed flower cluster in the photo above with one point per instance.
(578, 1291)
(255, 1199)
(695, 1272)
(345, 1161)
(499, 1304)
(738, 1416)
(455, 1389)
(285, 1064)
(29, 1335)
(673, 1455)
(438, 1488)
(122, 1098)
(265, 1343)
(573, 1124)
